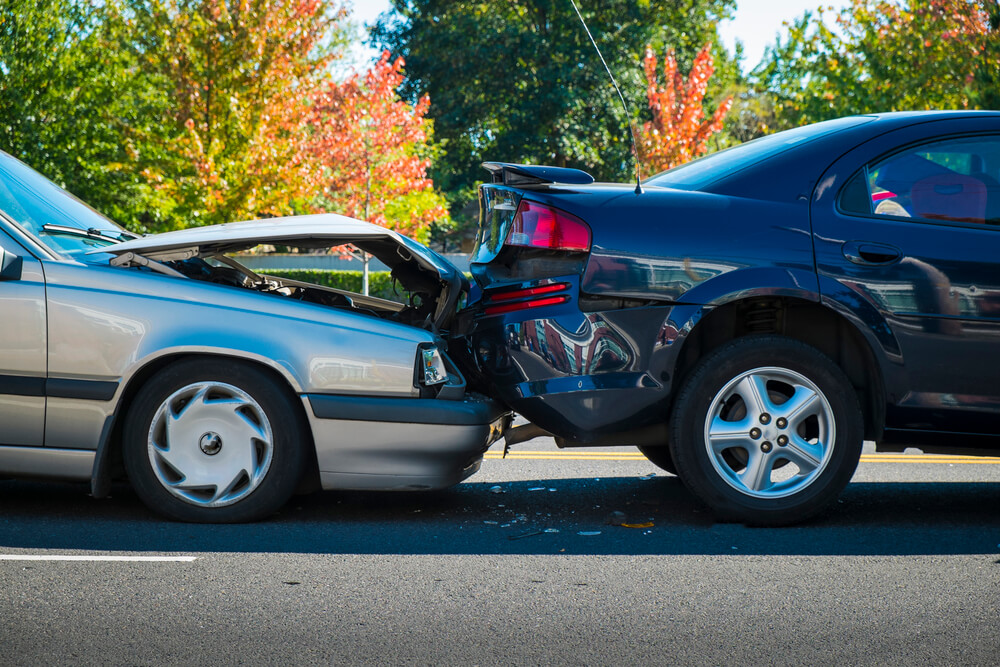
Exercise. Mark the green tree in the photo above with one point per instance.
(73, 104)
(885, 56)
(519, 81)
(239, 76)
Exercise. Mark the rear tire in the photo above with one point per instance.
(766, 430)
(214, 442)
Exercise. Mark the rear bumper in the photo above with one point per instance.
(579, 375)
(370, 443)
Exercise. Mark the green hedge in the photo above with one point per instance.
(379, 282)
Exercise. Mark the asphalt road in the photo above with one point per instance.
(518, 565)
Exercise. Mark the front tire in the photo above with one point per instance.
(214, 442)
(766, 430)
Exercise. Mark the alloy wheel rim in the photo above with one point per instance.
(210, 444)
(770, 432)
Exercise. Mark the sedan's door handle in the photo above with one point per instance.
(871, 254)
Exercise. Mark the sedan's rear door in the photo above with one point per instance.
(906, 245)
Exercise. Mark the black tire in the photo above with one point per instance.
(660, 457)
(253, 434)
(749, 479)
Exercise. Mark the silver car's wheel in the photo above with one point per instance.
(770, 432)
(210, 444)
(766, 430)
(213, 440)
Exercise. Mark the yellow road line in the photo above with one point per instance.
(582, 455)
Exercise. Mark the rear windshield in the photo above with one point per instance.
(710, 168)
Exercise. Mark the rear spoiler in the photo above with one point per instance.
(508, 173)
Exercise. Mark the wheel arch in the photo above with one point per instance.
(800, 319)
(108, 459)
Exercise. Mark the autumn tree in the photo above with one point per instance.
(679, 130)
(885, 56)
(374, 150)
(239, 76)
(519, 81)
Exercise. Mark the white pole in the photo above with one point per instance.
(364, 275)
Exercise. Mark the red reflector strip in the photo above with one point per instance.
(528, 292)
(525, 305)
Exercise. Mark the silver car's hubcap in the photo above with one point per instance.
(769, 432)
(210, 444)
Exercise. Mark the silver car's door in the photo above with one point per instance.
(22, 346)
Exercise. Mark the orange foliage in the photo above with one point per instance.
(679, 130)
(372, 145)
(239, 72)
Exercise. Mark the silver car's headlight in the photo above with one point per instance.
(432, 370)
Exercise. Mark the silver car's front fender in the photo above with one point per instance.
(107, 324)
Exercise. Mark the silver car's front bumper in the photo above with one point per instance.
(368, 443)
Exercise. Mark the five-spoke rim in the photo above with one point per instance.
(770, 432)
(210, 444)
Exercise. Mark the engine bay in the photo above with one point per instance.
(415, 308)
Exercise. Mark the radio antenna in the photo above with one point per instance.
(628, 116)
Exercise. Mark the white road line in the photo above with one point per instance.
(143, 559)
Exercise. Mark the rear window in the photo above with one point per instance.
(710, 168)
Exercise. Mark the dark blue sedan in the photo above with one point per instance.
(749, 318)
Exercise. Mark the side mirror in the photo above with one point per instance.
(10, 265)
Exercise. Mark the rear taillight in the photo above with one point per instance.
(539, 226)
(508, 301)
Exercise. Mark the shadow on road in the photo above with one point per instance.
(869, 519)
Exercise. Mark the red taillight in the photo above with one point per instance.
(525, 305)
(515, 299)
(539, 226)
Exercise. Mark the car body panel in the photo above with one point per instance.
(396, 444)
(108, 323)
(940, 297)
(22, 350)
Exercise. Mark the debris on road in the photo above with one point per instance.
(649, 476)
(496, 489)
(531, 533)
(589, 533)
(648, 524)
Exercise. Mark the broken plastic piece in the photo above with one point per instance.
(523, 535)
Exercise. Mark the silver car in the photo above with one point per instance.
(219, 392)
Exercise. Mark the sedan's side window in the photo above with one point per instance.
(955, 180)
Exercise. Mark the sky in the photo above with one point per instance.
(756, 23)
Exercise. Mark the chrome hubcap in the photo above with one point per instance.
(210, 444)
(769, 432)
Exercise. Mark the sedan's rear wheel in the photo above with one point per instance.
(209, 441)
(766, 430)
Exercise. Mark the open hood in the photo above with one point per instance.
(415, 266)
(304, 231)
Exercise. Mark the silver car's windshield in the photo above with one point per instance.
(53, 216)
